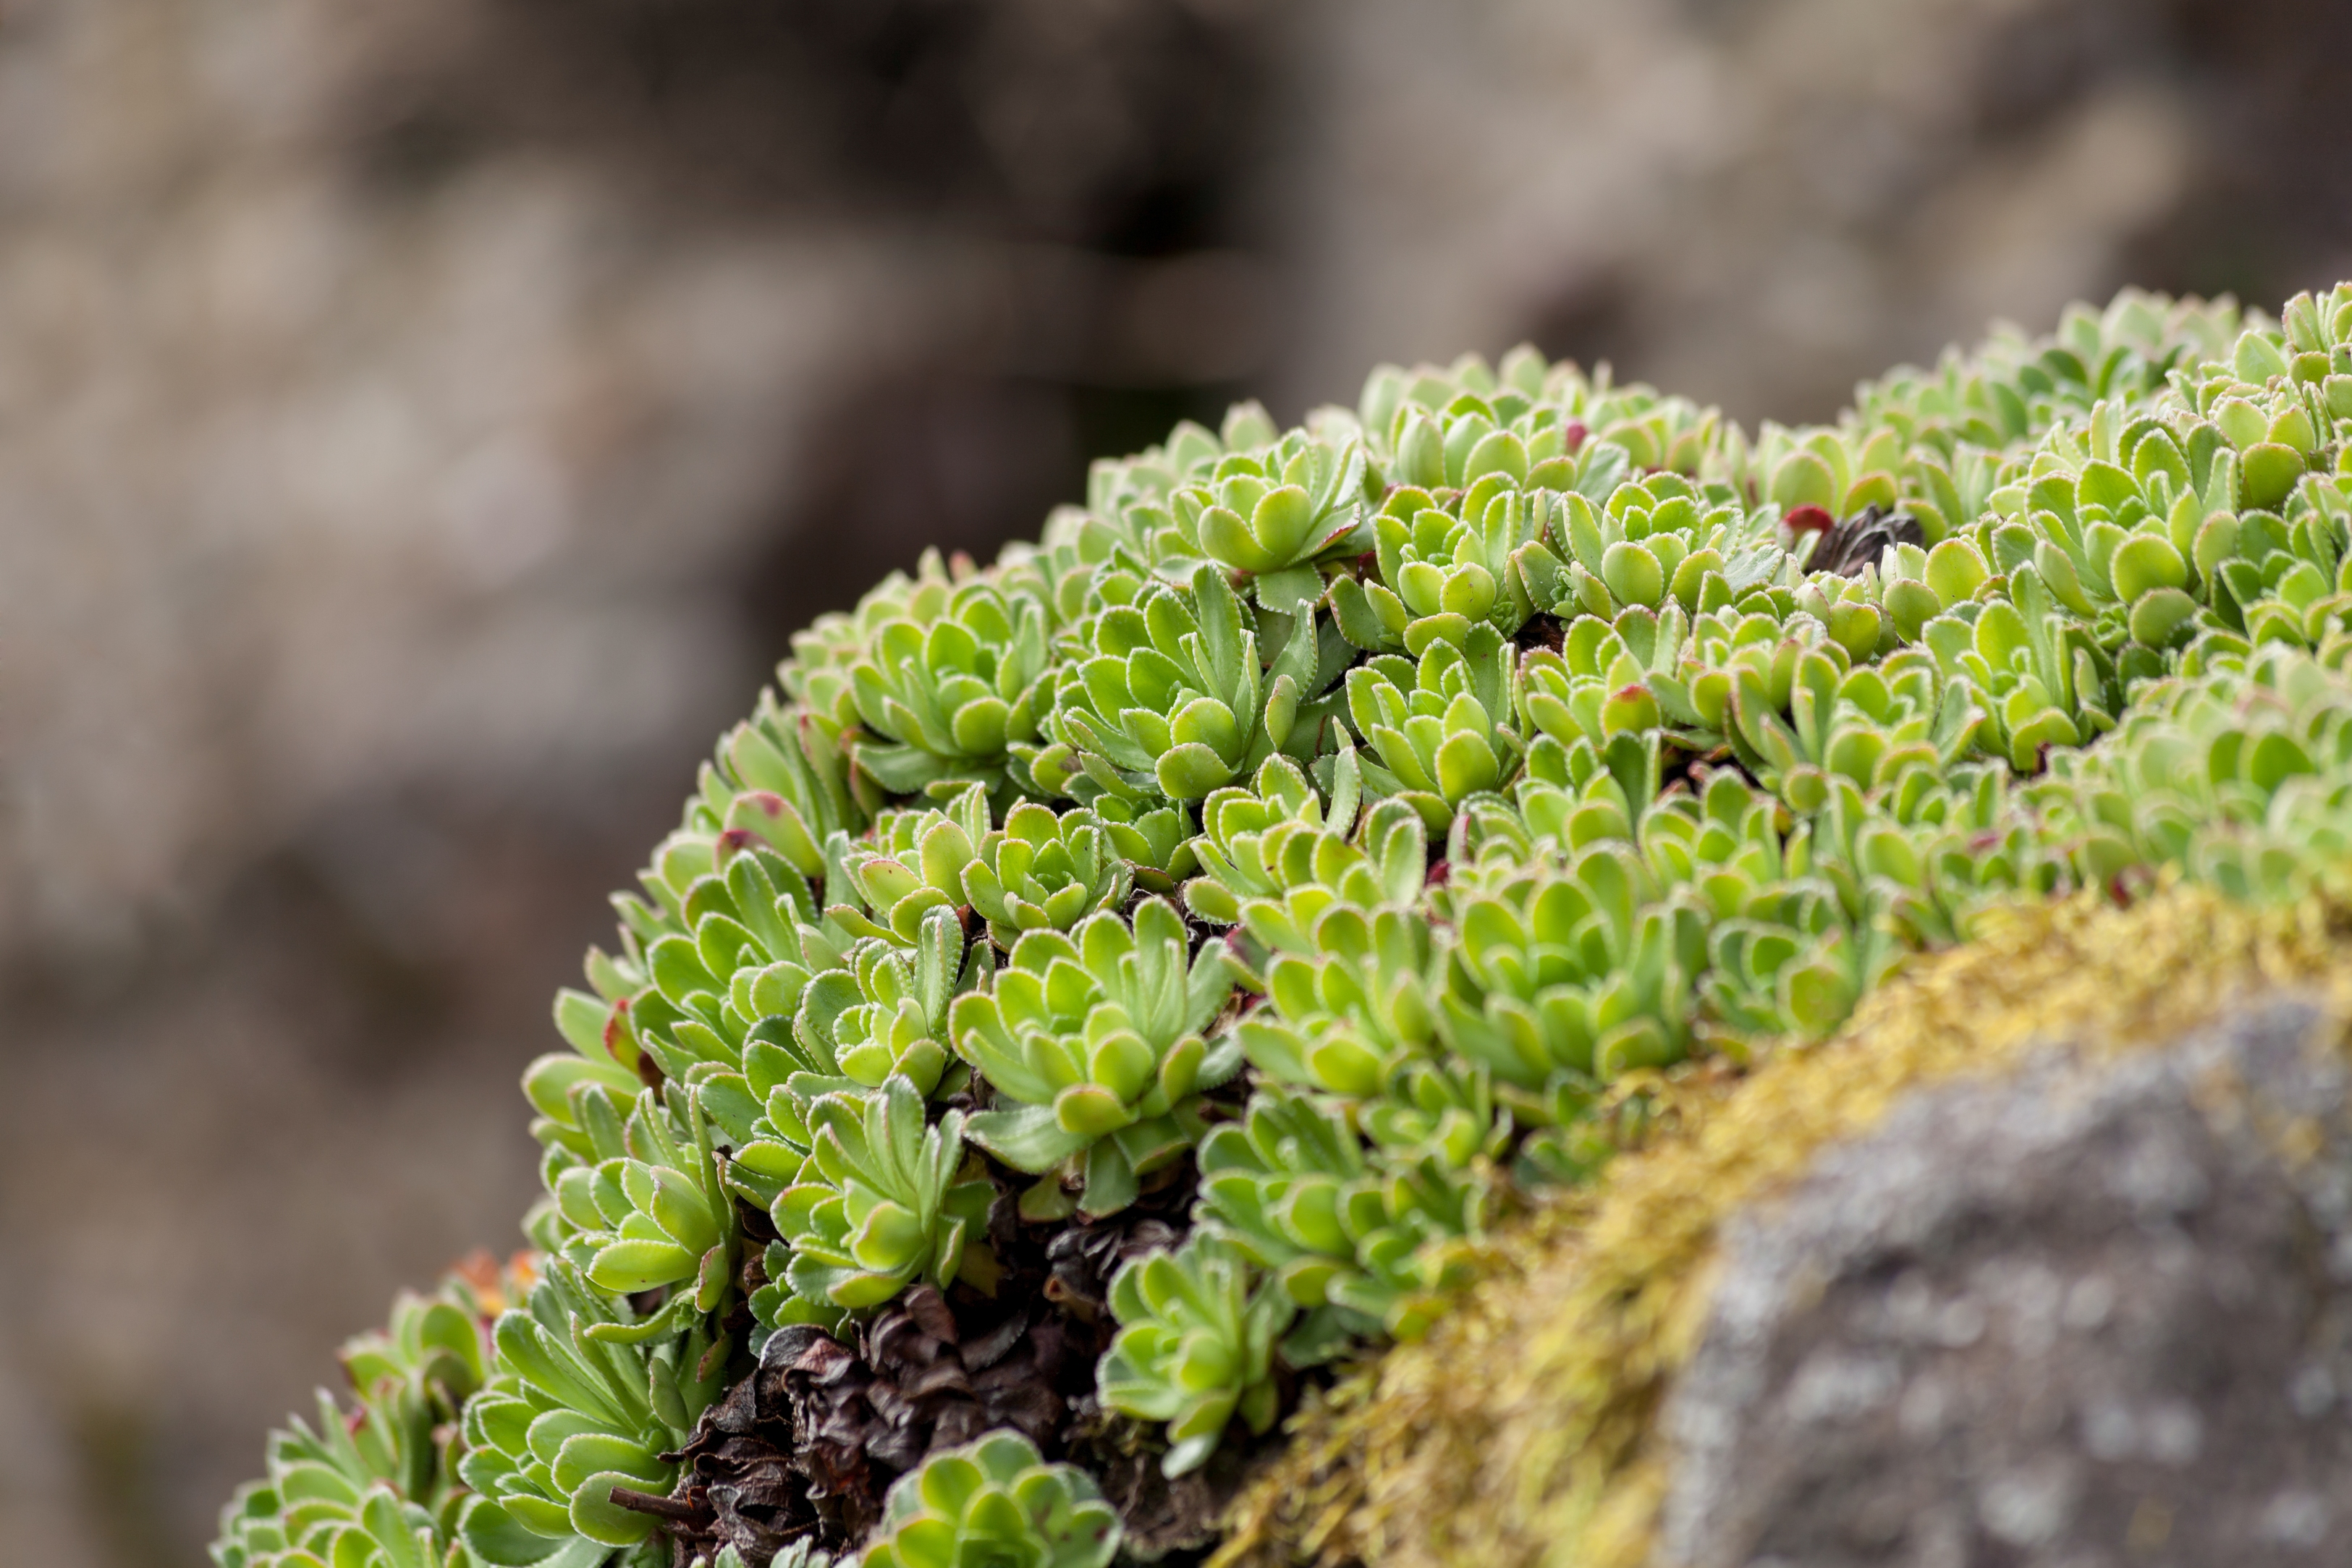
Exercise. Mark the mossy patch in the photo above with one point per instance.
(1520, 1430)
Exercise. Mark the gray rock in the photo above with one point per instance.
(2087, 1314)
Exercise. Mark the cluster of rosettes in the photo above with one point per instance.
(376, 1486)
(1336, 824)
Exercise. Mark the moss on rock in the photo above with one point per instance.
(1589, 1305)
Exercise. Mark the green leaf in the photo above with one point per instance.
(581, 1019)
(2161, 617)
(1802, 479)
(2273, 759)
(551, 1080)
(524, 1346)
(1090, 1111)
(1110, 1181)
(2267, 474)
(1817, 998)
(1465, 763)
(2145, 562)
(1281, 522)
(1292, 591)
(589, 1454)
(494, 1535)
(1956, 571)
(1188, 771)
(624, 1268)
(1028, 1137)
(2256, 358)
(595, 1515)
(1633, 573)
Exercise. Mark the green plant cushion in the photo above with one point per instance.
(1162, 963)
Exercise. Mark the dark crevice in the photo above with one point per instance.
(808, 1440)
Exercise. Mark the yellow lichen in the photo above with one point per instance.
(1520, 1431)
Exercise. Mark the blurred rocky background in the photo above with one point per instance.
(422, 426)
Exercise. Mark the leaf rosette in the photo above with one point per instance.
(1359, 1237)
(1241, 849)
(1867, 724)
(1170, 699)
(949, 686)
(1156, 841)
(1094, 1040)
(881, 1012)
(1045, 873)
(994, 1502)
(1443, 568)
(1272, 515)
(1321, 875)
(373, 1488)
(884, 1200)
(652, 1212)
(1438, 727)
(1195, 1345)
(1662, 538)
(587, 1397)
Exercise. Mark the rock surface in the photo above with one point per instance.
(2096, 1314)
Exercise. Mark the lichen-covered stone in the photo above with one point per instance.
(2091, 1312)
